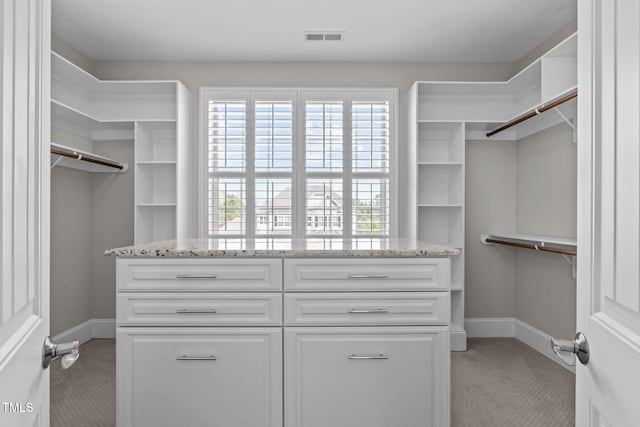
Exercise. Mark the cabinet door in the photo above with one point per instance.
(198, 377)
(373, 377)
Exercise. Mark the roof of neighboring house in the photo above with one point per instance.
(315, 199)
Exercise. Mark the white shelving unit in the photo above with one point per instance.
(155, 115)
(442, 116)
(436, 185)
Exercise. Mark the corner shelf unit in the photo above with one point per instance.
(443, 115)
(155, 114)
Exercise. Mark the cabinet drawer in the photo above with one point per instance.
(199, 309)
(175, 274)
(195, 377)
(374, 377)
(370, 274)
(366, 308)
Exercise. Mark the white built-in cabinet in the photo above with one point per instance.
(222, 341)
(156, 116)
(442, 116)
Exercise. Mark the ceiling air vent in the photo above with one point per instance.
(317, 36)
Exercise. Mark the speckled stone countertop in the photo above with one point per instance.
(327, 247)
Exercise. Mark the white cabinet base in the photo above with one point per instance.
(193, 377)
(367, 376)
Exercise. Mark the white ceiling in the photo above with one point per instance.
(396, 30)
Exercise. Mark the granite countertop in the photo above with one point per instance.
(360, 247)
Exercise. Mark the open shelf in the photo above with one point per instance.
(156, 141)
(550, 75)
(158, 162)
(155, 223)
(440, 186)
(564, 246)
(532, 241)
(110, 100)
(156, 184)
(444, 226)
(440, 143)
(76, 122)
(440, 164)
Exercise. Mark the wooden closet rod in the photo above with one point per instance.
(535, 247)
(86, 158)
(541, 109)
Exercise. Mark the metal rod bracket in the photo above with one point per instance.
(570, 123)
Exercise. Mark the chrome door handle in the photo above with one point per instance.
(378, 356)
(368, 310)
(196, 276)
(564, 349)
(196, 311)
(368, 276)
(196, 357)
(69, 351)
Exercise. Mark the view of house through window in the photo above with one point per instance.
(298, 163)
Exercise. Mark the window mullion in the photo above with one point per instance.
(299, 170)
(347, 183)
(250, 170)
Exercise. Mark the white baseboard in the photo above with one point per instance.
(508, 327)
(490, 327)
(92, 328)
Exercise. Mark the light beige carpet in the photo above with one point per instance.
(85, 394)
(498, 382)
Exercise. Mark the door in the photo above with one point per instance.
(608, 300)
(24, 203)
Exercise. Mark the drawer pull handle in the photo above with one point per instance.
(378, 356)
(196, 311)
(368, 276)
(195, 357)
(196, 276)
(368, 310)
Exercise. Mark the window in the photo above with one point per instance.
(298, 163)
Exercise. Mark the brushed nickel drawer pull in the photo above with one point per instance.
(378, 356)
(196, 276)
(196, 311)
(368, 276)
(368, 310)
(195, 357)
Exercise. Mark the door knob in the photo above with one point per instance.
(69, 351)
(566, 348)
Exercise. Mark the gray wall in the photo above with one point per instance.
(111, 224)
(546, 204)
(528, 186)
(70, 241)
(490, 205)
